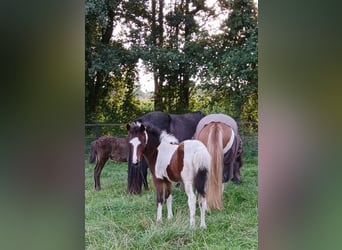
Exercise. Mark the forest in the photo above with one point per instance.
(203, 55)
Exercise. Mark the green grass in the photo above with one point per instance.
(116, 220)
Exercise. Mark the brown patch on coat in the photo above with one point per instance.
(175, 167)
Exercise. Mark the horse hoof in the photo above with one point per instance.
(97, 189)
(203, 226)
(237, 182)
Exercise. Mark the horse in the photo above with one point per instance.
(219, 132)
(104, 148)
(182, 126)
(170, 161)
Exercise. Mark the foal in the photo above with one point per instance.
(188, 162)
(104, 148)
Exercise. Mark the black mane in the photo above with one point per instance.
(152, 130)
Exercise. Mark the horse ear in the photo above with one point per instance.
(128, 127)
(142, 128)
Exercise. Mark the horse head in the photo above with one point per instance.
(137, 138)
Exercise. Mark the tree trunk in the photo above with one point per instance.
(183, 104)
(157, 33)
(95, 84)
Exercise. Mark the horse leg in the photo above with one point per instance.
(203, 207)
(144, 168)
(237, 166)
(97, 173)
(237, 178)
(191, 202)
(159, 189)
(168, 198)
(96, 176)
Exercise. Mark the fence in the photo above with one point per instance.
(94, 131)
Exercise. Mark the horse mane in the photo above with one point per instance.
(149, 128)
(163, 135)
(168, 138)
(135, 126)
(152, 130)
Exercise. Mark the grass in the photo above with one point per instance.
(116, 220)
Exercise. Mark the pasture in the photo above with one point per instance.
(117, 220)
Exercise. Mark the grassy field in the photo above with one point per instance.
(116, 220)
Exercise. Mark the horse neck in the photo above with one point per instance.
(150, 151)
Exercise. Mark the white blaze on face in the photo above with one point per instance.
(135, 143)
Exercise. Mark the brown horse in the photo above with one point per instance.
(104, 148)
(187, 162)
(219, 133)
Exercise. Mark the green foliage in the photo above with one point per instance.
(109, 65)
(231, 69)
(249, 113)
(174, 46)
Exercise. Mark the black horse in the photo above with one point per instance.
(182, 126)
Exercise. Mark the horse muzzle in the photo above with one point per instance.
(136, 164)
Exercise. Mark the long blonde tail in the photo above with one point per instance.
(214, 183)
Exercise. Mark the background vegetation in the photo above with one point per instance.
(194, 67)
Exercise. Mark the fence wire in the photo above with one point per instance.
(247, 130)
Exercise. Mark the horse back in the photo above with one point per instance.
(184, 126)
(209, 133)
(112, 147)
(225, 119)
(156, 118)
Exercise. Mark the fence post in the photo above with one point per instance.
(97, 131)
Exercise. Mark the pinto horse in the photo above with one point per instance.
(182, 126)
(219, 132)
(187, 162)
(104, 148)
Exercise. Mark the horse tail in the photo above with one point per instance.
(92, 152)
(202, 164)
(214, 183)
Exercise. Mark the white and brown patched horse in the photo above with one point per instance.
(219, 132)
(170, 161)
(182, 126)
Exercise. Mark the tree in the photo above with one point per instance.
(171, 56)
(108, 61)
(231, 68)
(171, 38)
